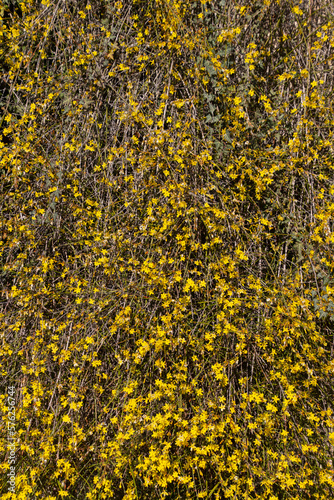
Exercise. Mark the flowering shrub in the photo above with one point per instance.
(167, 248)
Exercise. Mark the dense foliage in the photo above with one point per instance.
(167, 266)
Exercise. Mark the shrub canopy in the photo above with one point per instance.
(167, 237)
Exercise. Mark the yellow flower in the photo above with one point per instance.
(63, 493)
(331, 438)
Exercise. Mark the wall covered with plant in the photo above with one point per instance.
(166, 242)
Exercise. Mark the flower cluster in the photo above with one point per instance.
(166, 240)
